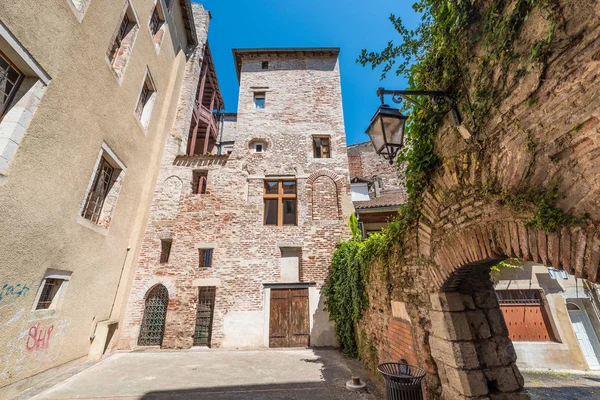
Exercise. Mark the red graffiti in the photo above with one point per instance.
(38, 339)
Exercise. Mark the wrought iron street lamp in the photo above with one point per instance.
(386, 129)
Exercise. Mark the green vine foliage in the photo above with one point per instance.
(436, 56)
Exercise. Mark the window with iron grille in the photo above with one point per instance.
(155, 313)
(204, 315)
(321, 147)
(155, 22)
(165, 251)
(10, 78)
(205, 258)
(49, 291)
(199, 182)
(124, 28)
(99, 191)
(280, 204)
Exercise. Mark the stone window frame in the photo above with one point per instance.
(110, 199)
(145, 102)
(59, 275)
(79, 7)
(118, 55)
(23, 105)
(206, 250)
(158, 36)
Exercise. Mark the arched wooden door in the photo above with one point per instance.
(155, 313)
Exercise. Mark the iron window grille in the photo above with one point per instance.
(10, 79)
(121, 33)
(205, 258)
(155, 313)
(155, 22)
(280, 203)
(199, 182)
(49, 291)
(99, 191)
(520, 296)
(204, 316)
(165, 251)
(321, 147)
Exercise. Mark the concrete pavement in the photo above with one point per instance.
(216, 374)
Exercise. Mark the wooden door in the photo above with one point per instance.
(289, 324)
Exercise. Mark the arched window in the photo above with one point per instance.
(155, 312)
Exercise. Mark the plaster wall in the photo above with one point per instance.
(46, 181)
(566, 352)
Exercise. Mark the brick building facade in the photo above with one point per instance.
(242, 240)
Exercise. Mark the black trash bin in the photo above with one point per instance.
(402, 381)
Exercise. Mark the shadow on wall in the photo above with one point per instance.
(323, 333)
(289, 64)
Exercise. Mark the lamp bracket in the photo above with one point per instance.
(439, 99)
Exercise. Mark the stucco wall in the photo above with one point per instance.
(565, 353)
(47, 179)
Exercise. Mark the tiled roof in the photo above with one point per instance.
(388, 199)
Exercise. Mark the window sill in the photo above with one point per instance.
(90, 225)
(42, 314)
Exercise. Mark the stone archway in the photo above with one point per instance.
(468, 338)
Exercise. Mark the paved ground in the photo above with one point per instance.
(563, 386)
(216, 374)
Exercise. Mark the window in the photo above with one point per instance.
(168, 3)
(205, 258)
(199, 182)
(265, 65)
(280, 203)
(103, 190)
(165, 250)
(143, 109)
(258, 147)
(321, 147)
(50, 290)
(100, 188)
(157, 24)
(10, 78)
(122, 43)
(259, 100)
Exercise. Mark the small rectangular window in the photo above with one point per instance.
(124, 28)
(51, 287)
(143, 109)
(157, 25)
(200, 180)
(165, 251)
(121, 46)
(205, 258)
(155, 22)
(10, 78)
(100, 188)
(265, 65)
(280, 203)
(321, 147)
(259, 100)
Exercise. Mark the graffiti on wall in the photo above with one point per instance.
(35, 346)
(38, 337)
(10, 292)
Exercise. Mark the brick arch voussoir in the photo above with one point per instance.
(575, 249)
(151, 284)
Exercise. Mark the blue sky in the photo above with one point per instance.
(351, 25)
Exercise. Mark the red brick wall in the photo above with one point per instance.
(401, 341)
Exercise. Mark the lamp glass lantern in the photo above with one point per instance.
(386, 131)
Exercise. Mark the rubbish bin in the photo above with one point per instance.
(402, 381)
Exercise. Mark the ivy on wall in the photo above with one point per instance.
(437, 56)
